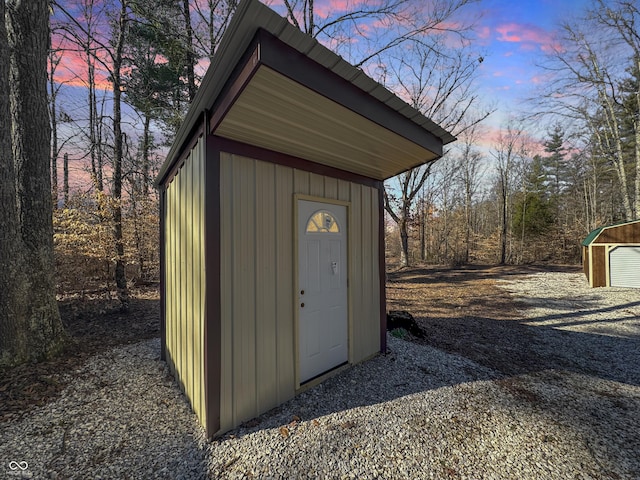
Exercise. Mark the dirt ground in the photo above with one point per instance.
(462, 311)
(94, 324)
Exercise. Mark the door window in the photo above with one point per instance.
(322, 222)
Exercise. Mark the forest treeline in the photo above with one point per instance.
(511, 199)
(514, 199)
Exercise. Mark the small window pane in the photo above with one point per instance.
(322, 222)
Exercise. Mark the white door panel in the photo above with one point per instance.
(322, 287)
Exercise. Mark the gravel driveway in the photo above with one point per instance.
(416, 412)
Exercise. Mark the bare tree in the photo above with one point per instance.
(506, 154)
(211, 20)
(438, 80)
(116, 188)
(407, 44)
(54, 61)
(378, 27)
(470, 170)
(111, 60)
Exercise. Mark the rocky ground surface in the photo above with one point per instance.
(545, 386)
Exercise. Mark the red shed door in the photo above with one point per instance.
(322, 288)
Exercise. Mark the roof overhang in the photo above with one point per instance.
(274, 87)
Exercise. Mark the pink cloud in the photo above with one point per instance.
(72, 71)
(326, 9)
(484, 33)
(524, 33)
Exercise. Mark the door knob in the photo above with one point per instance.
(301, 292)
(302, 305)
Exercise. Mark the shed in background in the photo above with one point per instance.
(611, 255)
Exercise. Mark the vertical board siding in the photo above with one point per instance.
(243, 198)
(285, 352)
(374, 235)
(266, 361)
(257, 275)
(184, 278)
(599, 266)
(358, 319)
(226, 297)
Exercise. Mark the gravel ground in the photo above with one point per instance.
(416, 412)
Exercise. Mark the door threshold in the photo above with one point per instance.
(318, 379)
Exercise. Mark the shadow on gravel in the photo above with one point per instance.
(94, 324)
(470, 273)
(549, 376)
(482, 323)
(513, 348)
(483, 326)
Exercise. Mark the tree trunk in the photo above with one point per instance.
(54, 131)
(96, 170)
(13, 284)
(28, 34)
(120, 276)
(65, 180)
(190, 60)
(503, 232)
(404, 242)
(146, 149)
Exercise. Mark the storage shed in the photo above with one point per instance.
(272, 238)
(611, 255)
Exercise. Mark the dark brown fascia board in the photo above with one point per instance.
(172, 170)
(266, 49)
(293, 64)
(382, 270)
(163, 270)
(235, 85)
(212, 305)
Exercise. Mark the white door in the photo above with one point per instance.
(322, 288)
(624, 265)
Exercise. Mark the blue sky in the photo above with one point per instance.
(516, 35)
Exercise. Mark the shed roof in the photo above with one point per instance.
(273, 86)
(593, 235)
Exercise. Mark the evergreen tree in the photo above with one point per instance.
(533, 212)
(156, 84)
(555, 167)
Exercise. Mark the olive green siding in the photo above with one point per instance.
(257, 263)
(185, 278)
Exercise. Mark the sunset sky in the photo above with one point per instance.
(512, 36)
